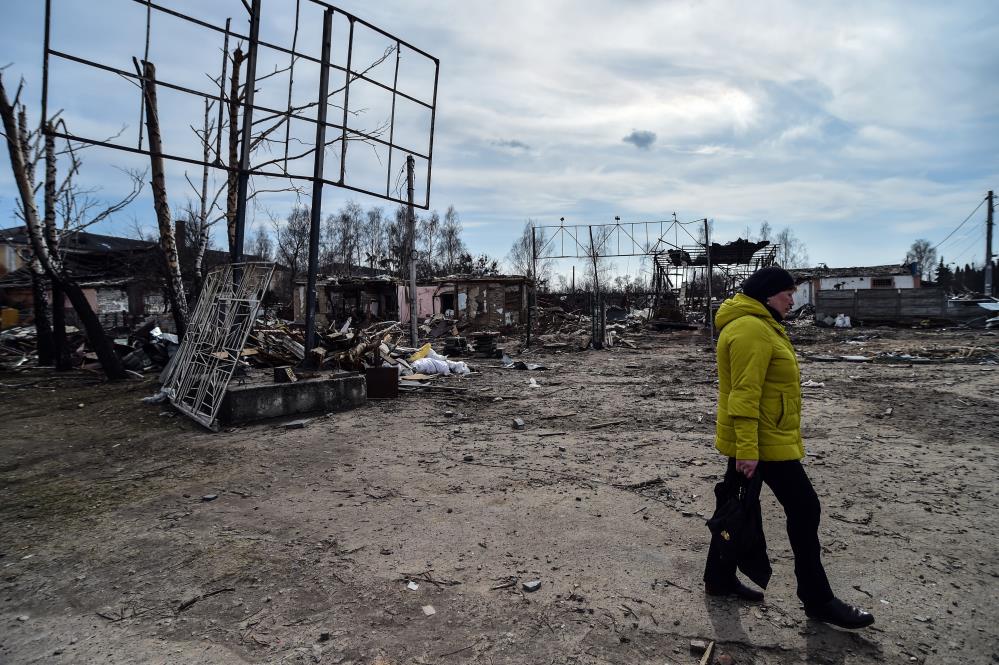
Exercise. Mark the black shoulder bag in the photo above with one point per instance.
(737, 526)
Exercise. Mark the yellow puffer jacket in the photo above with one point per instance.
(759, 385)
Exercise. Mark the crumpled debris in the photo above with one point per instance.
(435, 363)
(164, 395)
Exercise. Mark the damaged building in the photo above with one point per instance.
(490, 301)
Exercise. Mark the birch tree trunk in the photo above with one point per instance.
(203, 211)
(168, 238)
(43, 330)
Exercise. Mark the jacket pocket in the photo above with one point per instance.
(783, 411)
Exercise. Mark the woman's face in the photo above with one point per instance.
(782, 302)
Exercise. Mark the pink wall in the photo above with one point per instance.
(424, 301)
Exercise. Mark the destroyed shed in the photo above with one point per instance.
(119, 276)
(122, 278)
(488, 301)
(360, 298)
(495, 300)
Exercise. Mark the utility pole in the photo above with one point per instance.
(988, 243)
(411, 245)
(532, 296)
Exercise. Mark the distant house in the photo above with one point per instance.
(121, 277)
(118, 275)
(812, 280)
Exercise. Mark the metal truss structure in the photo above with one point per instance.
(680, 271)
(609, 240)
(210, 350)
(366, 88)
(362, 80)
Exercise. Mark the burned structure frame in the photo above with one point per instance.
(340, 128)
(675, 264)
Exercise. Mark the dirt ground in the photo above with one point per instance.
(112, 552)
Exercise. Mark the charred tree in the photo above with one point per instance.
(47, 257)
(232, 181)
(168, 237)
(44, 341)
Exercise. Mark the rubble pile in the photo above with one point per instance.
(17, 346)
(558, 330)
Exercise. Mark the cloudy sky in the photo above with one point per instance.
(862, 126)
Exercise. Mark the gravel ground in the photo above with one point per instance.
(115, 551)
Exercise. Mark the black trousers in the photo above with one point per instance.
(794, 491)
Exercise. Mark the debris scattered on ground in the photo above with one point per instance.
(532, 586)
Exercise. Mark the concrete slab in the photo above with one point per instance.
(260, 400)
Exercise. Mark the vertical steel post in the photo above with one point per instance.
(707, 254)
(597, 322)
(45, 67)
(317, 188)
(411, 245)
(532, 295)
(236, 253)
(988, 244)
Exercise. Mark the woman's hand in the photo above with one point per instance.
(746, 467)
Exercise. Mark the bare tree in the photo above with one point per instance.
(599, 267)
(396, 239)
(924, 256)
(430, 227)
(452, 246)
(520, 259)
(205, 212)
(23, 147)
(262, 245)
(791, 252)
(292, 240)
(373, 239)
(168, 238)
(347, 224)
(766, 232)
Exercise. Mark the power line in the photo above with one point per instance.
(977, 240)
(961, 224)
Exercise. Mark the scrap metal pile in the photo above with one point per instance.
(558, 330)
(145, 348)
(273, 342)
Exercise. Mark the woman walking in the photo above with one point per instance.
(759, 430)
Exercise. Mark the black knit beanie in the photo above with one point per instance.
(767, 282)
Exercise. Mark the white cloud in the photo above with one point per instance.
(860, 124)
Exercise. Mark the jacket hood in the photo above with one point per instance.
(738, 306)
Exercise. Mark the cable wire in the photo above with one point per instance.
(978, 239)
(962, 223)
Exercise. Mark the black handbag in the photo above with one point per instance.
(737, 526)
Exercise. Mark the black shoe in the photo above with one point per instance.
(840, 614)
(733, 588)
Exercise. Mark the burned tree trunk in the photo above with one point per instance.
(168, 238)
(60, 351)
(232, 182)
(49, 260)
(43, 330)
(47, 251)
(61, 346)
